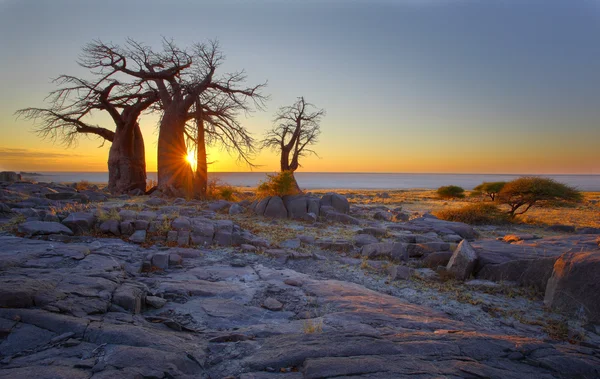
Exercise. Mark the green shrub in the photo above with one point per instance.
(475, 214)
(523, 193)
(490, 189)
(280, 184)
(449, 192)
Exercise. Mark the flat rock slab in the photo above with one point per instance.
(206, 319)
(34, 228)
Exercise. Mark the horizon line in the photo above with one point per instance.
(341, 172)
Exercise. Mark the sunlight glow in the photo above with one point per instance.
(191, 160)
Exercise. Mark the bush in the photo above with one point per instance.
(82, 185)
(523, 193)
(475, 214)
(217, 190)
(449, 192)
(280, 184)
(490, 189)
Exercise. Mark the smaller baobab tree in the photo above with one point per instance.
(295, 129)
(213, 121)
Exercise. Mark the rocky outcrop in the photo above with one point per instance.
(332, 207)
(463, 261)
(9, 176)
(575, 284)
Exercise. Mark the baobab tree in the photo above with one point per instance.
(214, 122)
(180, 77)
(295, 129)
(68, 117)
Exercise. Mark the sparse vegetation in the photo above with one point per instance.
(280, 184)
(218, 190)
(475, 214)
(12, 224)
(112, 214)
(82, 185)
(451, 192)
(523, 193)
(490, 189)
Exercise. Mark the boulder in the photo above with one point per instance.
(10, 176)
(235, 209)
(34, 228)
(438, 258)
(181, 223)
(139, 236)
(161, 260)
(80, 222)
(575, 284)
(463, 261)
(275, 208)
(397, 272)
(342, 218)
(110, 226)
(337, 201)
(390, 250)
(525, 272)
(155, 202)
(130, 297)
(272, 304)
(361, 240)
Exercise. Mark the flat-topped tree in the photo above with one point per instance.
(297, 127)
(180, 76)
(68, 117)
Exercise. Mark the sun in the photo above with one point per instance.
(191, 159)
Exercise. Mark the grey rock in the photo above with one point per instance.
(272, 304)
(235, 209)
(141, 225)
(290, 244)
(218, 205)
(155, 301)
(127, 215)
(361, 240)
(175, 260)
(438, 258)
(139, 236)
(127, 227)
(342, 218)
(155, 202)
(172, 236)
(80, 222)
(110, 226)
(397, 272)
(130, 297)
(181, 223)
(183, 238)
(43, 228)
(161, 260)
(275, 208)
(575, 284)
(147, 216)
(337, 201)
(463, 261)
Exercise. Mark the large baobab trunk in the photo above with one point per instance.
(175, 176)
(201, 179)
(127, 160)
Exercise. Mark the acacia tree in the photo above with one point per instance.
(296, 128)
(523, 193)
(180, 77)
(68, 117)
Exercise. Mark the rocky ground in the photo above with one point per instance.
(93, 286)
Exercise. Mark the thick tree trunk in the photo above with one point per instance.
(174, 172)
(201, 180)
(127, 160)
